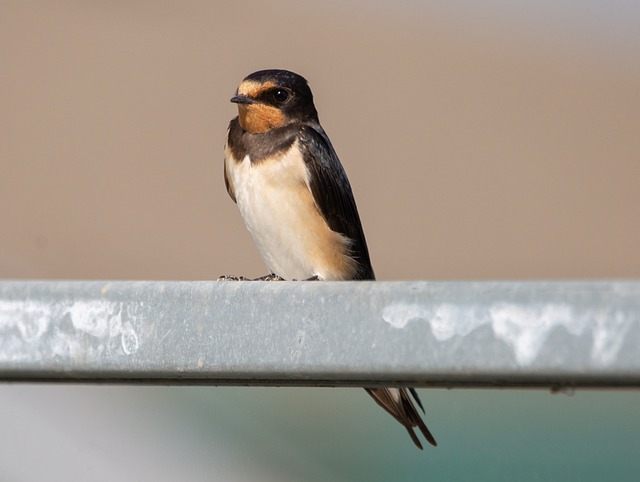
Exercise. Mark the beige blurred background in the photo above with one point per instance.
(483, 140)
(479, 144)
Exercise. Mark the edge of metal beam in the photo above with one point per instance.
(450, 334)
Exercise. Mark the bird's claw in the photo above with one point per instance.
(269, 277)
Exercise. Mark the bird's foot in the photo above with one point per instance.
(232, 278)
(266, 277)
(269, 277)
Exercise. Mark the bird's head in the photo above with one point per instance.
(268, 99)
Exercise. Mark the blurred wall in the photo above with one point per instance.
(481, 142)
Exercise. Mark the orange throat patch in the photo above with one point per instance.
(259, 118)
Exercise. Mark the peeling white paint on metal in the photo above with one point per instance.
(523, 328)
(65, 327)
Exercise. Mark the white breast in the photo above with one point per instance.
(278, 209)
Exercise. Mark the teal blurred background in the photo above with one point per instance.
(491, 140)
(275, 434)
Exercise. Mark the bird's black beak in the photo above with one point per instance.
(242, 99)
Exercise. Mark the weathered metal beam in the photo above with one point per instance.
(452, 334)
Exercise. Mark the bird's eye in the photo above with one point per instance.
(280, 95)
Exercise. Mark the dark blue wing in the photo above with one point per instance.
(332, 192)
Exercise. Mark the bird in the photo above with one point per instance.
(296, 201)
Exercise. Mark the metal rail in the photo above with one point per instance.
(451, 334)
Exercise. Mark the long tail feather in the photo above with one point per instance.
(398, 404)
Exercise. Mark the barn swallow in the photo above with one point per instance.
(296, 201)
